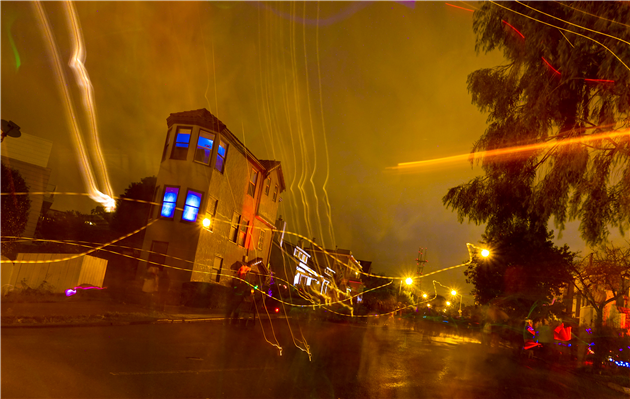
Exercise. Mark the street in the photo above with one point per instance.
(205, 360)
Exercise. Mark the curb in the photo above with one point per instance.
(125, 323)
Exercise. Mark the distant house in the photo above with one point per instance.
(321, 276)
(29, 155)
(207, 175)
(616, 313)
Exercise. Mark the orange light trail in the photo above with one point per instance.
(461, 8)
(512, 150)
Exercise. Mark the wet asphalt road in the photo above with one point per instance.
(210, 360)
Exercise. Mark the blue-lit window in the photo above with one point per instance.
(182, 140)
(221, 155)
(170, 201)
(204, 147)
(191, 208)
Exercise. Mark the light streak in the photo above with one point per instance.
(86, 169)
(550, 66)
(16, 54)
(77, 63)
(84, 253)
(593, 15)
(600, 80)
(514, 29)
(571, 23)
(513, 150)
(321, 108)
(277, 344)
(461, 8)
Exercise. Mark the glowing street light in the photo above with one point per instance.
(424, 296)
(454, 293)
(485, 253)
(448, 303)
(409, 281)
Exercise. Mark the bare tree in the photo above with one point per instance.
(601, 278)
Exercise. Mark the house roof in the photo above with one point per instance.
(201, 117)
(270, 166)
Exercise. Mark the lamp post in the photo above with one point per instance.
(455, 294)
(408, 281)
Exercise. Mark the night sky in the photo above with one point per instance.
(393, 89)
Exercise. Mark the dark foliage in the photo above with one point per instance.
(525, 267)
(130, 214)
(561, 81)
(15, 209)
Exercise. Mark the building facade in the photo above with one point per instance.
(29, 155)
(214, 203)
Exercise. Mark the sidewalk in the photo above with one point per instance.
(86, 312)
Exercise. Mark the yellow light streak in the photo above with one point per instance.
(571, 23)
(593, 15)
(77, 63)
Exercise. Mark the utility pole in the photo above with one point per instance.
(420, 261)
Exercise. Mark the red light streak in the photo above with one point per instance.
(513, 150)
(515, 30)
(548, 64)
(461, 8)
(600, 80)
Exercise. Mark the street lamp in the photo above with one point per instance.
(455, 294)
(485, 252)
(448, 303)
(408, 281)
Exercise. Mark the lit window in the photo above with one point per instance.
(204, 147)
(191, 208)
(242, 232)
(275, 193)
(267, 185)
(221, 154)
(169, 202)
(168, 137)
(261, 239)
(253, 177)
(236, 218)
(182, 140)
